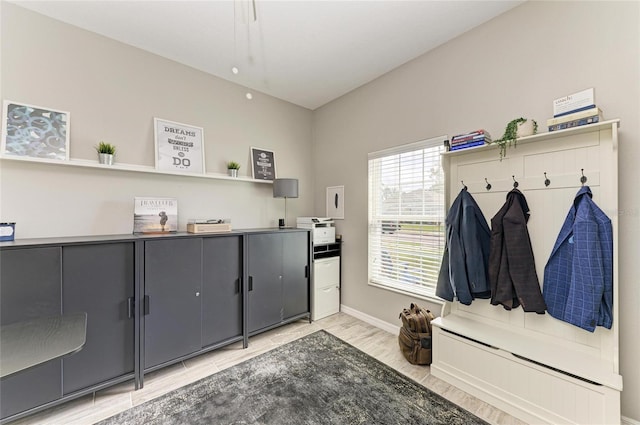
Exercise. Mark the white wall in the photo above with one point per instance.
(512, 66)
(113, 91)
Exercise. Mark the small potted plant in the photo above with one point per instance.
(106, 151)
(232, 168)
(519, 127)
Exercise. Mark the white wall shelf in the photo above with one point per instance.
(129, 167)
(540, 137)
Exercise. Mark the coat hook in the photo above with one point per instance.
(464, 186)
(515, 183)
(488, 187)
(547, 182)
(583, 179)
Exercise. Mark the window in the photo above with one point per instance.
(406, 217)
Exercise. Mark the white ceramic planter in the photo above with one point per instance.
(525, 129)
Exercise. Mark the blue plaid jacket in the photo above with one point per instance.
(578, 278)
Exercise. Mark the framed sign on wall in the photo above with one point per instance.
(34, 131)
(179, 147)
(263, 164)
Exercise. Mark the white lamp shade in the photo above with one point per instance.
(285, 188)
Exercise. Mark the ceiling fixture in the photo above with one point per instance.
(235, 70)
(249, 96)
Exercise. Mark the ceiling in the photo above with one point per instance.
(305, 52)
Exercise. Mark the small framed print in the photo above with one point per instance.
(34, 131)
(179, 147)
(263, 164)
(335, 202)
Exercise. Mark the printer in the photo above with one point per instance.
(323, 229)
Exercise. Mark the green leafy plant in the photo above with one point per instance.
(232, 165)
(510, 135)
(107, 148)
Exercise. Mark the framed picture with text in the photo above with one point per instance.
(34, 132)
(179, 147)
(335, 202)
(263, 164)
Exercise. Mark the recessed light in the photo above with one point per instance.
(235, 70)
(249, 96)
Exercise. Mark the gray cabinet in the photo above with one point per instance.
(31, 289)
(295, 274)
(221, 289)
(172, 302)
(99, 280)
(278, 269)
(193, 296)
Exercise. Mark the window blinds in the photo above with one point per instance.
(406, 216)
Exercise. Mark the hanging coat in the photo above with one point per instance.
(578, 278)
(512, 270)
(463, 273)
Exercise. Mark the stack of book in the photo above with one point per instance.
(469, 140)
(574, 110)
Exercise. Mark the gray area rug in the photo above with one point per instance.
(318, 379)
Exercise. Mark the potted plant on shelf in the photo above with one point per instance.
(232, 168)
(519, 127)
(106, 151)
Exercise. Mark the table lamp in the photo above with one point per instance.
(285, 188)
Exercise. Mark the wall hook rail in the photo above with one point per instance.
(515, 183)
(488, 186)
(547, 182)
(583, 179)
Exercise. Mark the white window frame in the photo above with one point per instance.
(376, 233)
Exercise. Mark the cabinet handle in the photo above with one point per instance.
(237, 285)
(306, 271)
(146, 305)
(250, 283)
(130, 308)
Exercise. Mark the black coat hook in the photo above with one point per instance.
(583, 179)
(515, 183)
(464, 186)
(547, 182)
(488, 186)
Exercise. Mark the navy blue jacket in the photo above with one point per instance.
(463, 273)
(578, 278)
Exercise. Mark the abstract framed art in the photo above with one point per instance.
(335, 202)
(34, 132)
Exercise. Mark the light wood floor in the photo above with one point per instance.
(373, 341)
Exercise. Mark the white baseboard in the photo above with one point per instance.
(628, 421)
(385, 326)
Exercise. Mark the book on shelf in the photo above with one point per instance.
(575, 102)
(575, 123)
(478, 134)
(471, 140)
(155, 215)
(467, 145)
(575, 116)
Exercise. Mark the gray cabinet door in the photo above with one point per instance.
(295, 273)
(172, 283)
(98, 279)
(31, 288)
(265, 280)
(221, 289)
